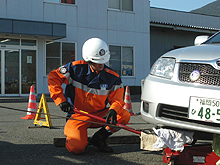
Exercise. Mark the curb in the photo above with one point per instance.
(60, 142)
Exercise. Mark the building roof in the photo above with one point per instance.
(181, 25)
(183, 20)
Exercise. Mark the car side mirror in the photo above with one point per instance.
(200, 39)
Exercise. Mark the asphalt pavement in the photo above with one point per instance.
(21, 142)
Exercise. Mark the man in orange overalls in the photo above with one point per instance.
(91, 87)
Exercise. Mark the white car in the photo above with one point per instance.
(182, 90)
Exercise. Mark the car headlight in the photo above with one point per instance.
(163, 67)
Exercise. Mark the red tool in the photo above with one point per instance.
(191, 155)
(103, 121)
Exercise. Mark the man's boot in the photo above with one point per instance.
(99, 140)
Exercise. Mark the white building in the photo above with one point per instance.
(37, 36)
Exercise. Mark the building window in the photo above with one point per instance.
(62, 1)
(9, 41)
(68, 1)
(28, 42)
(22, 42)
(122, 60)
(124, 5)
(58, 54)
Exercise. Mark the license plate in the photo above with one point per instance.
(204, 109)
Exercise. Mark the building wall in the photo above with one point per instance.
(132, 29)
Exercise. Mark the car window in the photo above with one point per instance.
(213, 39)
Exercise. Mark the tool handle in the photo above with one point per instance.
(103, 120)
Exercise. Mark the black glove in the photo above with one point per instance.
(111, 117)
(66, 107)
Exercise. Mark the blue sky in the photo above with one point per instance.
(181, 5)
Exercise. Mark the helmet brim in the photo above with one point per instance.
(101, 60)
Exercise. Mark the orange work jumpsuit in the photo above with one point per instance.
(90, 92)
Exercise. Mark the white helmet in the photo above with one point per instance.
(95, 50)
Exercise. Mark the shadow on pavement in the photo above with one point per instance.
(48, 154)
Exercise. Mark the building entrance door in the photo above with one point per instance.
(11, 73)
(18, 71)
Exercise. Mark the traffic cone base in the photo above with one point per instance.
(28, 117)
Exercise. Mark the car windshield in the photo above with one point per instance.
(213, 39)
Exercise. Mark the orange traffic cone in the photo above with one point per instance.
(32, 106)
(127, 101)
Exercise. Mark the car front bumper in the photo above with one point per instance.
(163, 95)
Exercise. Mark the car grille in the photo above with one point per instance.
(176, 113)
(209, 75)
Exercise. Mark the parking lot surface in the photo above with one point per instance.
(22, 145)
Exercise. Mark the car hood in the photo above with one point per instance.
(204, 52)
